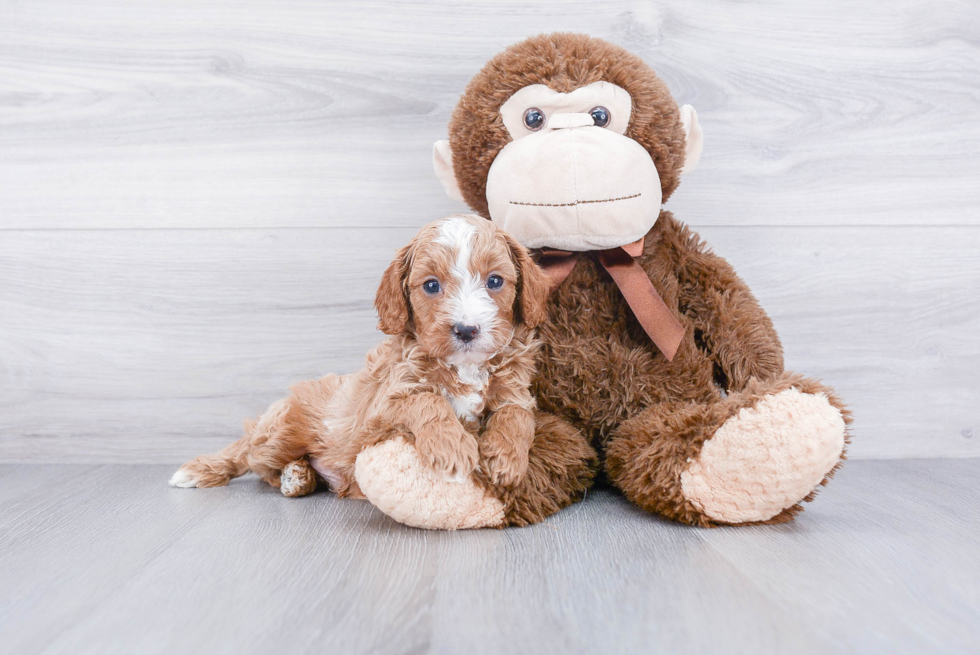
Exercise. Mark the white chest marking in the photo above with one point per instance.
(471, 405)
(466, 407)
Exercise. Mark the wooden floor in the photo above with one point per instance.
(106, 559)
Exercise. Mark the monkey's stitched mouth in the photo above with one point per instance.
(572, 204)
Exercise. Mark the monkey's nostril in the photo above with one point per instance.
(466, 333)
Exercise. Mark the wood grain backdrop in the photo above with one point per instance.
(197, 197)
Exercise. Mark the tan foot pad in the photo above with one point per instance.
(766, 458)
(395, 481)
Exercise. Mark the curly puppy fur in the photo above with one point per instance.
(464, 405)
(648, 417)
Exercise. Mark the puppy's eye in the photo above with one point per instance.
(494, 282)
(534, 119)
(431, 287)
(600, 115)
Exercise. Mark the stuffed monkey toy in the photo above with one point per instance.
(653, 348)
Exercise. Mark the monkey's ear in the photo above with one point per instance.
(533, 286)
(693, 137)
(391, 301)
(442, 161)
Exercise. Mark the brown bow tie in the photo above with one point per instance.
(635, 285)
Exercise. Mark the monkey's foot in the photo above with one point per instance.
(766, 458)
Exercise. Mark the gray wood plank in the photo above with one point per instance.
(154, 345)
(121, 348)
(28, 491)
(323, 569)
(902, 534)
(20, 483)
(74, 544)
(882, 561)
(603, 577)
(268, 114)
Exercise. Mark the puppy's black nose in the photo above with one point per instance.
(465, 333)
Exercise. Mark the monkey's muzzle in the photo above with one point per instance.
(579, 188)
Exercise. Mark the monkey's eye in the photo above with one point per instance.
(431, 287)
(534, 119)
(494, 282)
(600, 115)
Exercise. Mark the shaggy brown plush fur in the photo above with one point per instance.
(646, 455)
(649, 417)
(598, 359)
(560, 470)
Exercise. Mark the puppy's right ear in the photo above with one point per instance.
(391, 301)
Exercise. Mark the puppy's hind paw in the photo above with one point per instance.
(297, 479)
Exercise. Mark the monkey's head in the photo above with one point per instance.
(568, 142)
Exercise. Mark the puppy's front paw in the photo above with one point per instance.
(451, 451)
(505, 464)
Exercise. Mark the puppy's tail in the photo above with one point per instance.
(280, 436)
(218, 469)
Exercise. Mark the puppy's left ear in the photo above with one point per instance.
(533, 287)
(391, 301)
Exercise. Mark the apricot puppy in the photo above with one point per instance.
(460, 302)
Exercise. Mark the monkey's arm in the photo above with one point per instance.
(728, 321)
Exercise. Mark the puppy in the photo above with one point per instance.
(460, 302)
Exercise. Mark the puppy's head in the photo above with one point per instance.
(461, 286)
